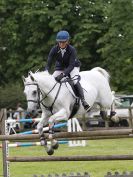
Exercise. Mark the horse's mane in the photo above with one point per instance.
(41, 75)
(37, 74)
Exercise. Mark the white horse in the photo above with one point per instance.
(57, 100)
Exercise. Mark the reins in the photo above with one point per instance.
(68, 80)
(50, 108)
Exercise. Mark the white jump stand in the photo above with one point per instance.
(74, 126)
(11, 126)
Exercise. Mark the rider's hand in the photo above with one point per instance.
(58, 78)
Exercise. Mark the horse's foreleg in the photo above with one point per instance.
(43, 122)
(40, 125)
(60, 115)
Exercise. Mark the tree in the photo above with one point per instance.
(116, 44)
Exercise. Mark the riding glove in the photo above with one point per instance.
(59, 77)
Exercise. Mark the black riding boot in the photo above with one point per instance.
(80, 94)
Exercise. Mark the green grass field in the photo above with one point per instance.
(94, 147)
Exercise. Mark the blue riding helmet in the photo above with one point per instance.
(62, 36)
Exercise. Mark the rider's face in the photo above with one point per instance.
(62, 44)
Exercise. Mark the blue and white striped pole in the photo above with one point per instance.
(24, 120)
(27, 144)
(44, 129)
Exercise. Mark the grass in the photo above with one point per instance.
(95, 169)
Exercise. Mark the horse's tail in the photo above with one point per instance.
(102, 71)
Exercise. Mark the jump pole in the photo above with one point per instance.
(27, 144)
(5, 149)
(35, 120)
(44, 129)
(31, 120)
(70, 158)
(68, 135)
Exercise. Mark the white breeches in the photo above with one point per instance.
(74, 73)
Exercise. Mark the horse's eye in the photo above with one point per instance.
(34, 93)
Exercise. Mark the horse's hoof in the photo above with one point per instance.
(103, 114)
(43, 141)
(50, 151)
(55, 145)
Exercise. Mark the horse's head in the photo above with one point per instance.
(32, 93)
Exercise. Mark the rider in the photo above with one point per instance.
(66, 63)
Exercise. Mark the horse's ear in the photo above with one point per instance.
(32, 78)
(29, 73)
(23, 78)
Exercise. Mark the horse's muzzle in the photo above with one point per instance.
(32, 112)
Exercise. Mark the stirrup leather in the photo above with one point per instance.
(85, 105)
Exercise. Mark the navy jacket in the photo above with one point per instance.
(65, 63)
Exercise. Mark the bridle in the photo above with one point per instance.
(40, 100)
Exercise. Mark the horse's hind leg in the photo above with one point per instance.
(113, 116)
(103, 113)
(112, 112)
